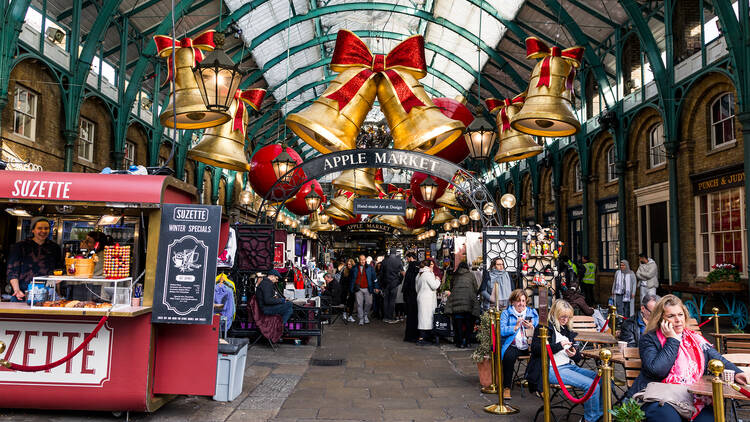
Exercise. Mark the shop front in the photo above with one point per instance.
(120, 359)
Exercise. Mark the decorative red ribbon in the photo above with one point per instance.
(536, 48)
(740, 389)
(705, 322)
(204, 41)
(351, 52)
(37, 368)
(493, 104)
(562, 384)
(604, 328)
(253, 98)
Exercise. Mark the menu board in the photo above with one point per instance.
(186, 264)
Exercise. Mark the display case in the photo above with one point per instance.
(75, 292)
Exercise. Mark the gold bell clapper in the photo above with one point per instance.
(449, 200)
(513, 145)
(416, 123)
(186, 105)
(360, 181)
(442, 215)
(224, 145)
(548, 108)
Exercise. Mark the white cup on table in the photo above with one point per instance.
(728, 375)
(621, 345)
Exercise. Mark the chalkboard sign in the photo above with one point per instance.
(186, 264)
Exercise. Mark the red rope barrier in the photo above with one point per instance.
(604, 328)
(705, 322)
(86, 341)
(562, 384)
(740, 389)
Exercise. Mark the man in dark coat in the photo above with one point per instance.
(268, 299)
(392, 272)
(633, 328)
(409, 290)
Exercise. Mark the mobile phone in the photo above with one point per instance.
(528, 318)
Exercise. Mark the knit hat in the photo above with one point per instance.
(274, 272)
(36, 220)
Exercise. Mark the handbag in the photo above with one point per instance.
(441, 324)
(476, 307)
(676, 395)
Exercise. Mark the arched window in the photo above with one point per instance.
(577, 182)
(611, 168)
(722, 120)
(657, 155)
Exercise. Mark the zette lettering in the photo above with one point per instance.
(50, 342)
(70, 337)
(27, 350)
(48, 189)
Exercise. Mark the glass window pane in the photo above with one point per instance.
(728, 131)
(716, 112)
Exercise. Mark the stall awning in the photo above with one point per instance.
(108, 189)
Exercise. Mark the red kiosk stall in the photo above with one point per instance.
(130, 363)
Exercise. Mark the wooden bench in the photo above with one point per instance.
(304, 322)
(632, 364)
(584, 323)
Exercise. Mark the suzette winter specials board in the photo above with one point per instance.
(186, 265)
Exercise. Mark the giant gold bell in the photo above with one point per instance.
(316, 225)
(448, 199)
(187, 103)
(341, 207)
(425, 128)
(396, 221)
(514, 145)
(359, 181)
(442, 215)
(221, 146)
(548, 110)
(326, 129)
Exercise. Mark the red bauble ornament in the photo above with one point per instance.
(297, 203)
(416, 179)
(458, 150)
(261, 175)
(341, 223)
(421, 217)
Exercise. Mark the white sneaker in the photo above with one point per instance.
(346, 316)
(361, 322)
(351, 319)
(367, 320)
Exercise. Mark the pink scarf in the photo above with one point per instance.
(689, 365)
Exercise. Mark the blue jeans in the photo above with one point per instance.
(283, 309)
(581, 378)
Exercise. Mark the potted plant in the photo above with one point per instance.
(481, 354)
(628, 411)
(724, 276)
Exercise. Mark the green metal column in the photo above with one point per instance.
(583, 158)
(200, 171)
(13, 16)
(215, 180)
(533, 165)
(515, 174)
(620, 142)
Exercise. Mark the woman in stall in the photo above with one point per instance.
(95, 242)
(33, 257)
(560, 338)
(514, 321)
(673, 357)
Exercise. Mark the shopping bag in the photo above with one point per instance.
(441, 324)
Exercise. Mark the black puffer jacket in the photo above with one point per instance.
(534, 367)
(463, 292)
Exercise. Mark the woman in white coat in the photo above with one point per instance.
(427, 285)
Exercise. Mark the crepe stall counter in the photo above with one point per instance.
(86, 341)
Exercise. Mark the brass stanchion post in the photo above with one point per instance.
(545, 374)
(717, 387)
(606, 383)
(500, 408)
(492, 389)
(613, 319)
(716, 329)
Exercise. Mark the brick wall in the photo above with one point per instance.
(687, 40)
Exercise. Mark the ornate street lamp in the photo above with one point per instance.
(463, 219)
(474, 215)
(447, 226)
(454, 223)
(218, 77)
(411, 211)
(282, 165)
(428, 188)
(480, 137)
(312, 200)
(508, 201)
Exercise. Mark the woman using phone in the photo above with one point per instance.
(514, 321)
(672, 354)
(560, 338)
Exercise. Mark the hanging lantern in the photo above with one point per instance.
(454, 223)
(435, 186)
(480, 137)
(186, 109)
(218, 77)
(312, 200)
(282, 166)
(421, 216)
(262, 174)
(411, 210)
(513, 145)
(474, 215)
(428, 189)
(548, 109)
(447, 226)
(441, 216)
(224, 145)
(298, 203)
(463, 219)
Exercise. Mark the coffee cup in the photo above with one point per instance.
(621, 345)
(728, 375)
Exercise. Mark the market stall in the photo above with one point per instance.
(129, 363)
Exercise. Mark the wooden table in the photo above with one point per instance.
(703, 388)
(617, 357)
(594, 337)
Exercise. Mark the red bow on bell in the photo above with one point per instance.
(253, 98)
(493, 104)
(204, 42)
(536, 48)
(351, 52)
